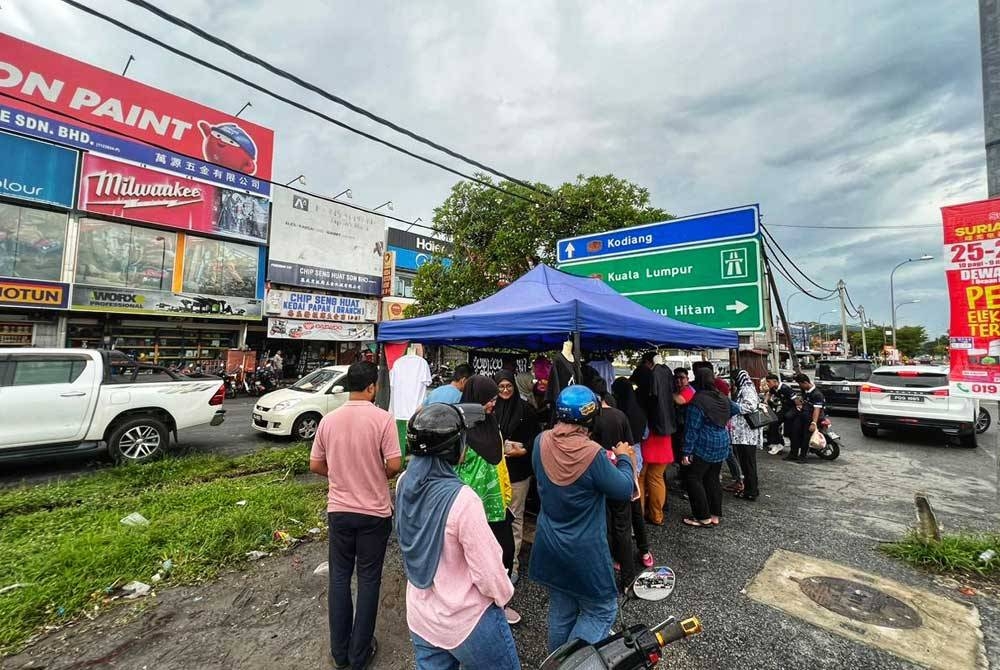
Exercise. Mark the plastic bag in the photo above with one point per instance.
(817, 441)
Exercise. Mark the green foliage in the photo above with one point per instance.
(910, 339)
(65, 544)
(938, 347)
(875, 339)
(496, 237)
(952, 554)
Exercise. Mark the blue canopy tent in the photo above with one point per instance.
(540, 311)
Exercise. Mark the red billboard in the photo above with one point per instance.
(113, 188)
(972, 265)
(81, 91)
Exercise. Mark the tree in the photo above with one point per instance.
(938, 347)
(497, 237)
(874, 338)
(910, 339)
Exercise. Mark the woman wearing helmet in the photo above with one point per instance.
(575, 479)
(457, 585)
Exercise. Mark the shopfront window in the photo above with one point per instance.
(404, 286)
(118, 254)
(214, 267)
(31, 242)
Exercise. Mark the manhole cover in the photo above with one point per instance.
(860, 602)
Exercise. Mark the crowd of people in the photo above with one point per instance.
(597, 457)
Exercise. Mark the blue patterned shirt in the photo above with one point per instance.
(704, 439)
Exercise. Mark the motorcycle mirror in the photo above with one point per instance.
(654, 584)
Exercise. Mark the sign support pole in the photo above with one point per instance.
(781, 313)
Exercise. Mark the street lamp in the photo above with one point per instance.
(301, 179)
(894, 308)
(892, 292)
(384, 204)
(244, 108)
(163, 258)
(347, 192)
(822, 328)
(413, 223)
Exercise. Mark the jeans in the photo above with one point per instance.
(575, 618)
(356, 540)
(798, 434)
(704, 489)
(517, 503)
(747, 453)
(490, 646)
(652, 484)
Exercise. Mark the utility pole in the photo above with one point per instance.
(781, 314)
(989, 50)
(864, 325)
(841, 290)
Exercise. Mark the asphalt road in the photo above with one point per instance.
(838, 511)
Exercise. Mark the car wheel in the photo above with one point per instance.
(869, 431)
(968, 441)
(983, 421)
(138, 440)
(305, 426)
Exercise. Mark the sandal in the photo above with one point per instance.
(735, 487)
(694, 523)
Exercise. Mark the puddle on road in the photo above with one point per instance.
(918, 626)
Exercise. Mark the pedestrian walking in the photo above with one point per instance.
(518, 421)
(744, 437)
(357, 449)
(484, 470)
(570, 557)
(457, 585)
(706, 445)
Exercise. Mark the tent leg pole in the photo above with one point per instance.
(577, 358)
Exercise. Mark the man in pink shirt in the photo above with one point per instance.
(357, 449)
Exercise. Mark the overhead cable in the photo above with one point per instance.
(789, 259)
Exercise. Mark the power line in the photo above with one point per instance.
(775, 262)
(198, 158)
(890, 227)
(789, 259)
(288, 101)
(284, 74)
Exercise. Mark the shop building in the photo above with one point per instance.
(405, 253)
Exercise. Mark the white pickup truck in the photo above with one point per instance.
(63, 401)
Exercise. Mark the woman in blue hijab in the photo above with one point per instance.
(457, 584)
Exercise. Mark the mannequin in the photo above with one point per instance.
(567, 350)
(408, 380)
(563, 373)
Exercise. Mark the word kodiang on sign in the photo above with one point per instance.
(972, 256)
(36, 75)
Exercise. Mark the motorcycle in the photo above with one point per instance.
(636, 647)
(229, 381)
(264, 381)
(831, 447)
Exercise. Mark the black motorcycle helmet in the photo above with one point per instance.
(439, 430)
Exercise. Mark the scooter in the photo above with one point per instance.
(636, 647)
(229, 380)
(831, 449)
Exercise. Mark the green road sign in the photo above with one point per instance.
(716, 284)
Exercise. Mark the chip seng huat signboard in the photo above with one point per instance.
(89, 298)
(71, 102)
(37, 171)
(319, 243)
(319, 307)
(33, 294)
(135, 193)
(972, 267)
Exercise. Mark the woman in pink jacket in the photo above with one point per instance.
(457, 584)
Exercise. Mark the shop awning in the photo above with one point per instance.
(539, 311)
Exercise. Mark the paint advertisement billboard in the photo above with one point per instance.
(293, 329)
(89, 298)
(972, 268)
(319, 307)
(37, 171)
(127, 107)
(135, 193)
(319, 243)
(34, 294)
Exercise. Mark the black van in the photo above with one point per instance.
(839, 380)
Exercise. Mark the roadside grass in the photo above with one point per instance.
(65, 544)
(953, 554)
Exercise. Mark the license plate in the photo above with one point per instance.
(257, 417)
(906, 398)
(845, 389)
(832, 435)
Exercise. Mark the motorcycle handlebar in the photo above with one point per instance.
(669, 631)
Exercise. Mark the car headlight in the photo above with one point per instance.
(284, 404)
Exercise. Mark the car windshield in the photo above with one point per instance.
(911, 380)
(314, 381)
(847, 371)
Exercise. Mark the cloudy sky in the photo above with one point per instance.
(861, 113)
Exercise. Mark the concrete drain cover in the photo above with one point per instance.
(860, 602)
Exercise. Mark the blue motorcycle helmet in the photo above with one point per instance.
(578, 404)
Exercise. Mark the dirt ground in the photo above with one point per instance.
(271, 616)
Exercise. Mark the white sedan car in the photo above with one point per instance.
(297, 409)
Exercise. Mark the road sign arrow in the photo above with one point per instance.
(739, 307)
(569, 250)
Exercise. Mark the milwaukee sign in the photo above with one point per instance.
(85, 93)
(135, 193)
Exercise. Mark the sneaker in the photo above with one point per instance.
(647, 559)
(512, 616)
(776, 449)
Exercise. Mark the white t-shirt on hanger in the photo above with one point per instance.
(408, 381)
